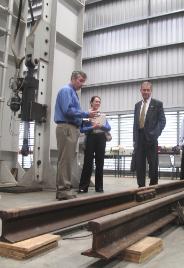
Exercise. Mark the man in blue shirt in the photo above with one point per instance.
(68, 117)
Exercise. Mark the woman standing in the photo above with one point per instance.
(95, 147)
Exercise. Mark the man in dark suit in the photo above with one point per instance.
(149, 121)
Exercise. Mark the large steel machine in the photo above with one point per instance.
(40, 45)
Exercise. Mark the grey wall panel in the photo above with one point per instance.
(163, 6)
(118, 99)
(116, 68)
(116, 40)
(114, 98)
(167, 61)
(167, 30)
(111, 12)
(170, 92)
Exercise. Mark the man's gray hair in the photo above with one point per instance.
(147, 83)
(75, 74)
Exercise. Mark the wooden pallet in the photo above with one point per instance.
(30, 247)
(143, 249)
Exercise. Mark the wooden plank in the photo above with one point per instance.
(30, 247)
(143, 249)
(11, 253)
(31, 244)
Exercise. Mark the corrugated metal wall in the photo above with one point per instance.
(129, 41)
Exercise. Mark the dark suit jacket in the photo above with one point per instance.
(154, 122)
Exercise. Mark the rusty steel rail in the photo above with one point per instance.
(114, 233)
(23, 223)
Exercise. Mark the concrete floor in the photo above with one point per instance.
(68, 254)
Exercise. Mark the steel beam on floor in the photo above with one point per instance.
(114, 233)
(23, 223)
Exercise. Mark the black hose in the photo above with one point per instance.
(31, 12)
(18, 19)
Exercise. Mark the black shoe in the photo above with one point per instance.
(60, 195)
(82, 191)
(99, 190)
(154, 183)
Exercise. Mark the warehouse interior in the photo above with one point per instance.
(119, 44)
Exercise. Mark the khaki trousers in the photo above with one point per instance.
(67, 136)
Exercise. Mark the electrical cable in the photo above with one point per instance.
(19, 65)
(76, 237)
(12, 133)
(25, 150)
(15, 35)
(29, 143)
(31, 12)
(18, 19)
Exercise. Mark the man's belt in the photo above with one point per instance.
(69, 123)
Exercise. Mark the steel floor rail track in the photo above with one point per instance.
(114, 233)
(17, 224)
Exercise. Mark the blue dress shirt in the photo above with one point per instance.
(67, 107)
(87, 127)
